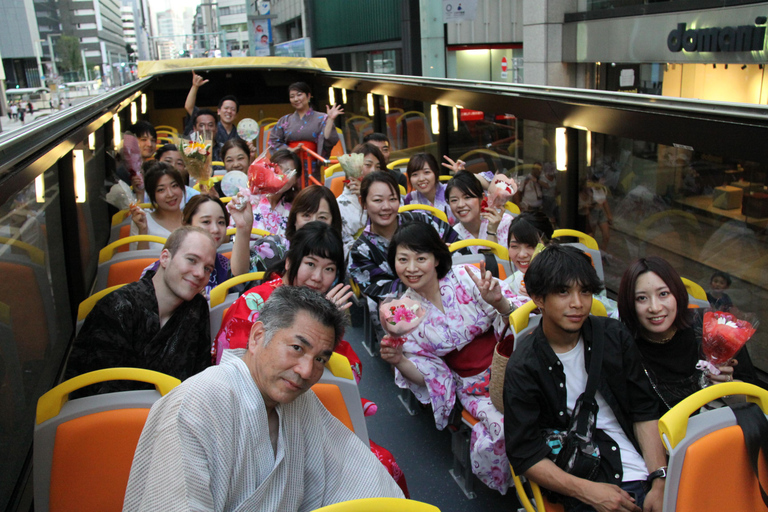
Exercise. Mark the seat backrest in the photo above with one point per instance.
(333, 400)
(700, 477)
(83, 448)
(30, 309)
(128, 271)
(345, 383)
(587, 244)
(500, 255)
(336, 183)
(264, 137)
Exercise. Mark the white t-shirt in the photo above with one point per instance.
(575, 384)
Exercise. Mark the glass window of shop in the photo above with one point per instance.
(34, 316)
(736, 83)
(486, 64)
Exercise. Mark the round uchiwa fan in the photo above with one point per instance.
(232, 182)
(248, 129)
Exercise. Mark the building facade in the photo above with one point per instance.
(98, 26)
(233, 23)
(20, 44)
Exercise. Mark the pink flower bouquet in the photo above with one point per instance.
(399, 318)
(723, 336)
(501, 190)
(265, 177)
(131, 155)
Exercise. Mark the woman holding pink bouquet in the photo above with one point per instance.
(653, 304)
(450, 351)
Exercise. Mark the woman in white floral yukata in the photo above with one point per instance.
(465, 197)
(450, 352)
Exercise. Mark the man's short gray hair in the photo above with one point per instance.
(280, 310)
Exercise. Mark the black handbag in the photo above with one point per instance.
(578, 452)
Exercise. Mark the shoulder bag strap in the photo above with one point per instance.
(586, 403)
(754, 425)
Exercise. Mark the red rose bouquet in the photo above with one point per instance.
(399, 318)
(723, 336)
(265, 177)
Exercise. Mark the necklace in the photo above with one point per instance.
(661, 340)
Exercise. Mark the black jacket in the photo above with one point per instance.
(535, 396)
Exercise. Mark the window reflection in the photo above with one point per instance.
(702, 213)
(28, 321)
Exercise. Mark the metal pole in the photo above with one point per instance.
(38, 52)
(53, 58)
(85, 65)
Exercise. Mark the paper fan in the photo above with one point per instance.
(232, 182)
(248, 129)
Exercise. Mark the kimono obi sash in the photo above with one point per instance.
(475, 357)
(309, 144)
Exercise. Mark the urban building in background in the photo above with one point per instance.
(672, 48)
(233, 24)
(98, 28)
(205, 29)
(20, 45)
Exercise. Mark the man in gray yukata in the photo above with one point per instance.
(245, 435)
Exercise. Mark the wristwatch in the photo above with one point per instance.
(659, 473)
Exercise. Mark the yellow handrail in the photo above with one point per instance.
(122, 214)
(219, 293)
(36, 255)
(584, 238)
(398, 163)
(497, 249)
(339, 366)
(49, 405)
(674, 424)
(106, 253)
(86, 306)
(430, 209)
(694, 290)
(518, 319)
(254, 231)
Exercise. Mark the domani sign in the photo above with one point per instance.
(744, 38)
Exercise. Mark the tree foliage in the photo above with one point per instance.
(68, 54)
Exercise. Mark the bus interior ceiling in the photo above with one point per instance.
(39, 207)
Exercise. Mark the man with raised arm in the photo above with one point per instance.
(246, 435)
(160, 322)
(227, 111)
(548, 372)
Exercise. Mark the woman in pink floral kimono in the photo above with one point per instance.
(450, 352)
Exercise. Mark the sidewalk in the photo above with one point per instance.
(9, 126)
